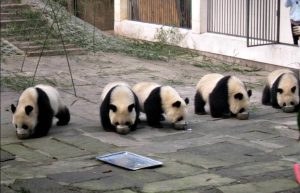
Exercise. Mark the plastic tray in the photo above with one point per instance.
(129, 160)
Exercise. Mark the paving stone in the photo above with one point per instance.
(39, 185)
(26, 153)
(55, 148)
(122, 191)
(291, 150)
(270, 186)
(256, 169)
(176, 169)
(28, 171)
(186, 183)
(5, 156)
(175, 145)
(217, 155)
(5, 179)
(123, 179)
(88, 143)
(115, 139)
(6, 189)
(81, 176)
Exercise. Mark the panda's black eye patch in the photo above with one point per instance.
(239, 96)
(280, 90)
(130, 107)
(24, 126)
(117, 123)
(113, 108)
(242, 110)
(293, 89)
(127, 123)
(16, 126)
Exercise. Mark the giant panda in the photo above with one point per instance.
(35, 111)
(222, 96)
(157, 101)
(119, 110)
(282, 90)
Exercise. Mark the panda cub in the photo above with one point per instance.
(282, 90)
(35, 111)
(119, 110)
(156, 100)
(222, 96)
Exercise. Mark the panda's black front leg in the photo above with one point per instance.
(199, 104)
(63, 117)
(154, 120)
(266, 96)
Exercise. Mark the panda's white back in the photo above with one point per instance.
(207, 83)
(109, 86)
(53, 95)
(143, 90)
(272, 77)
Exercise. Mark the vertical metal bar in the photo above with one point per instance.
(63, 43)
(41, 53)
(247, 10)
(278, 21)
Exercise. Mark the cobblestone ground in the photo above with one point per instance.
(217, 155)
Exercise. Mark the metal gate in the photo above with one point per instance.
(263, 22)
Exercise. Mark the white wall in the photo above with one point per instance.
(197, 38)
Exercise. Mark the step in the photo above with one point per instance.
(32, 43)
(40, 39)
(4, 23)
(8, 16)
(10, 1)
(32, 48)
(14, 6)
(71, 51)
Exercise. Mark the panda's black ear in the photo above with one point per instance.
(186, 100)
(113, 108)
(13, 108)
(176, 104)
(239, 96)
(130, 107)
(249, 93)
(28, 109)
(280, 90)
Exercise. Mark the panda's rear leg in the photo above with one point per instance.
(199, 104)
(266, 96)
(63, 116)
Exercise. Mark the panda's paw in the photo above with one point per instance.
(200, 113)
(61, 123)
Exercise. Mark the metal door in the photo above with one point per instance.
(263, 22)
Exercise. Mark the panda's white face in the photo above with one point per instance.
(122, 112)
(287, 91)
(239, 97)
(176, 112)
(175, 108)
(24, 120)
(25, 114)
(122, 117)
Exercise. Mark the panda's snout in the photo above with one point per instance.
(123, 129)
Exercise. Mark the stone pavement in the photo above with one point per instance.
(217, 155)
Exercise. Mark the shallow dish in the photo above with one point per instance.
(129, 160)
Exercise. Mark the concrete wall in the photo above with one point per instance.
(197, 38)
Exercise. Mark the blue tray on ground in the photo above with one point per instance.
(129, 160)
